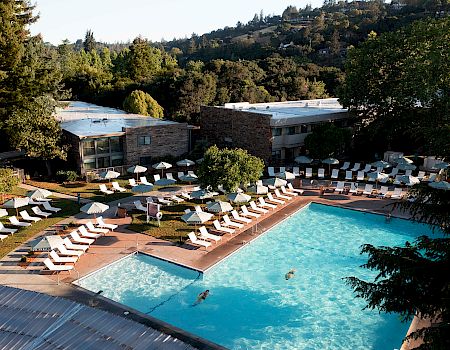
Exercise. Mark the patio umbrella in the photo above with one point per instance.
(161, 166)
(108, 175)
(408, 180)
(137, 169)
(199, 161)
(239, 197)
(381, 164)
(203, 194)
(287, 175)
(303, 160)
(185, 162)
(188, 178)
(440, 185)
(330, 162)
(16, 202)
(259, 189)
(164, 182)
(404, 160)
(94, 208)
(39, 193)
(377, 176)
(142, 188)
(195, 218)
(442, 165)
(275, 181)
(219, 207)
(406, 166)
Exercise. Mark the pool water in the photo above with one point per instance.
(251, 304)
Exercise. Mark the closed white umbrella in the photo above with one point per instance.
(185, 162)
(108, 175)
(239, 197)
(161, 166)
(275, 181)
(142, 188)
(16, 202)
(303, 160)
(94, 208)
(258, 189)
(39, 193)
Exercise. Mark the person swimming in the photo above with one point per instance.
(290, 274)
(202, 296)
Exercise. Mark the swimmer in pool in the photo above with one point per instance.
(202, 296)
(290, 274)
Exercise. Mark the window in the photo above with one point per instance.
(102, 146)
(89, 164)
(88, 147)
(116, 160)
(276, 132)
(103, 162)
(304, 129)
(143, 140)
(116, 144)
(145, 160)
(276, 154)
(290, 130)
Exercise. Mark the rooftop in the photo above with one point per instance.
(283, 112)
(86, 120)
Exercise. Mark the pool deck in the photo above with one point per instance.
(123, 242)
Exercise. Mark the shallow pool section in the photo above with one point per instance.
(252, 305)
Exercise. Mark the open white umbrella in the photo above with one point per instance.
(442, 165)
(406, 166)
(203, 194)
(440, 185)
(185, 162)
(381, 164)
(303, 160)
(404, 160)
(408, 180)
(94, 208)
(275, 181)
(16, 202)
(219, 207)
(142, 188)
(39, 193)
(287, 175)
(164, 182)
(161, 166)
(137, 169)
(258, 189)
(188, 178)
(239, 197)
(330, 162)
(376, 176)
(194, 217)
(108, 175)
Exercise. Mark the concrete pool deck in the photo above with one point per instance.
(123, 242)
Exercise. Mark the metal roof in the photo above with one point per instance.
(30, 320)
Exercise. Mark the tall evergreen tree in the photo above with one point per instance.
(89, 43)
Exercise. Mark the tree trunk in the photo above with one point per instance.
(49, 168)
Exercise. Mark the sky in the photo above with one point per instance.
(124, 20)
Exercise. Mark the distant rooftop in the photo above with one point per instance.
(303, 110)
(86, 120)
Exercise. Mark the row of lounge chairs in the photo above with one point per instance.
(115, 188)
(78, 242)
(369, 190)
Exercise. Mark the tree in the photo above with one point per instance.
(89, 43)
(7, 181)
(327, 140)
(139, 102)
(229, 168)
(414, 280)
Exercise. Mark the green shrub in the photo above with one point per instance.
(66, 176)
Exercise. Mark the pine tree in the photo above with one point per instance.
(89, 41)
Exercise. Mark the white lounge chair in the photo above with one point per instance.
(262, 203)
(356, 167)
(198, 241)
(271, 171)
(3, 229)
(238, 218)
(393, 172)
(289, 193)
(321, 173)
(246, 212)
(198, 209)
(3, 212)
(408, 172)
(282, 170)
(360, 175)
(69, 252)
(68, 243)
(397, 180)
(354, 188)
(62, 259)
(176, 199)
(257, 208)
(170, 177)
(384, 180)
(86, 234)
(368, 190)
(296, 190)
(205, 235)
(48, 206)
(218, 227)
(367, 168)
(348, 175)
(90, 226)
(24, 214)
(191, 173)
(163, 201)
(296, 171)
(104, 190)
(187, 211)
(156, 177)
(52, 267)
(79, 240)
(116, 187)
(339, 187)
(144, 181)
(398, 193)
(345, 166)
(138, 205)
(132, 182)
(382, 193)
(308, 173)
(15, 222)
(180, 174)
(102, 224)
(227, 222)
(431, 178)
(421, 175)
(2, 237)
(185, 195)
(335, 173)
(39, 212)
(279, 195)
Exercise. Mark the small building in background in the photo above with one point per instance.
(272, 131)
(102, 137)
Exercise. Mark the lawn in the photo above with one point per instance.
(13, 241)
(89, 190)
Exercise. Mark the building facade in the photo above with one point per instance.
(271, 131)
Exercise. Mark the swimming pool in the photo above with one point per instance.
(252, 305)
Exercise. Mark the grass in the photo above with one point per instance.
(68, 208)
(89, 190)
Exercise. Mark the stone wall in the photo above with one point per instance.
(235, 128)
(165, 140)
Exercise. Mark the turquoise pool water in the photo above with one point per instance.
(253, 306)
